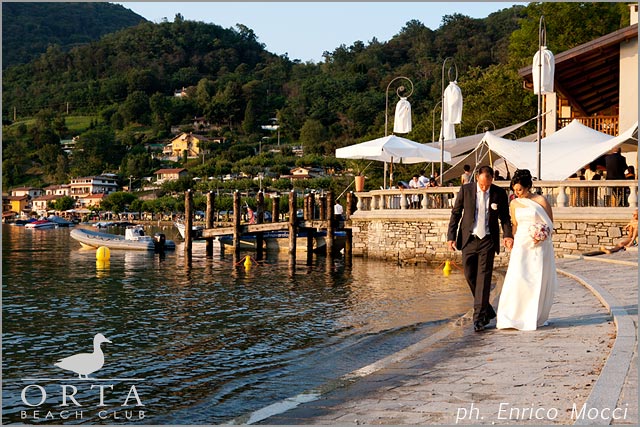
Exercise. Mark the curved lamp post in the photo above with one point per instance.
(485, 128)
(442, 115)
(544, 62)
(399, 90)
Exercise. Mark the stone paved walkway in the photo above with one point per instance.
(506, 376)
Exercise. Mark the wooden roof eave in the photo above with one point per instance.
(606, 41)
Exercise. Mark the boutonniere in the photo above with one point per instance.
(494, 206)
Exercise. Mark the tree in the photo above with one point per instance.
(118, 201)
(64, 203)
(135, 109)
(312, 135)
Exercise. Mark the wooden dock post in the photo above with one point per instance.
(292, 225)
(237, 214)
(348, 243)
(188, 222)
(211, 197)
(259, 220)
(275, 209)
(312, 207)
(323, 207)
(349, 206)
(305, 207)
(330, 223)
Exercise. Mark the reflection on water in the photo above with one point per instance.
(204, 341)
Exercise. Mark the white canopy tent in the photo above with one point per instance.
(465, 144)
(481, 156)
(563, 153)
(392, 149)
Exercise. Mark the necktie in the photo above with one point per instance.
(481, 229)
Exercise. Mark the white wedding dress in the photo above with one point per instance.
(531, 281)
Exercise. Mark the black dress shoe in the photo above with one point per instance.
(478, 326)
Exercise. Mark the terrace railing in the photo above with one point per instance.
(622, 193)
(604, 124)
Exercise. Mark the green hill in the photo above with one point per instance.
(28, 29)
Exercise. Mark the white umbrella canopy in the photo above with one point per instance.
(392, 149)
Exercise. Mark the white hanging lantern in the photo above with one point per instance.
(402, 122)
(544, 80)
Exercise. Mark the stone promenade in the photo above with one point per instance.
(581, 369)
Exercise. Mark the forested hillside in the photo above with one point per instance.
(126, 80)
(28, 29)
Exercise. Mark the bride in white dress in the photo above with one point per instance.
(531, 281)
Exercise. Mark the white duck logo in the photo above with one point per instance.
(84, 364)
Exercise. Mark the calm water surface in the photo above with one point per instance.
(200, 343)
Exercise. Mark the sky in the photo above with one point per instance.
(304, 30)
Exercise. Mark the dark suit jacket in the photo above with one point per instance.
(465, 209)
(616, 164)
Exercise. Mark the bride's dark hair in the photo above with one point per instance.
(522, 177)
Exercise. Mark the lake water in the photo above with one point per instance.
(201, 342)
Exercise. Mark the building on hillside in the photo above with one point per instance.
(164, 175)
(188, 142)
(85, 186)
(68, 145)
(18, 204)
(58, 190)
(91, 200)
(30, 192)
(41, 204)
(180, 93)
(305, 173)
(595, 83)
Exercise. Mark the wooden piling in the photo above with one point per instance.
(209, 219)
(188, 222)
(237, 214)
(275, 209)
(349, 206)
(330, 222)
(322, 202)
(292, 225)
(312, 207)
(259, 220)
(305, 207)
(348, 243)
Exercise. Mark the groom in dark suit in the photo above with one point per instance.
(480, 205)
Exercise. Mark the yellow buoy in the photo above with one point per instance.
(447, 268)
(103, 253)
(247, 262)
(102, 265)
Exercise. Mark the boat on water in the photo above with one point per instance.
(134, 239)
(273, 240)
(23, 222)
(60, 221)
(41, 224)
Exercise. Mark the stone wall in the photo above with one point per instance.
(413, 236)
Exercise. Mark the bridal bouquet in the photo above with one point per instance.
(539, 231)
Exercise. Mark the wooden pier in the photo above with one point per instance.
(315, 219)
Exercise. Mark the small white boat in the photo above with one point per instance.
(196, 230)
(133, 239)
(41, 224)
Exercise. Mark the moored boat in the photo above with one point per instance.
(41, 224)
(133, 239)
(60, 221)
